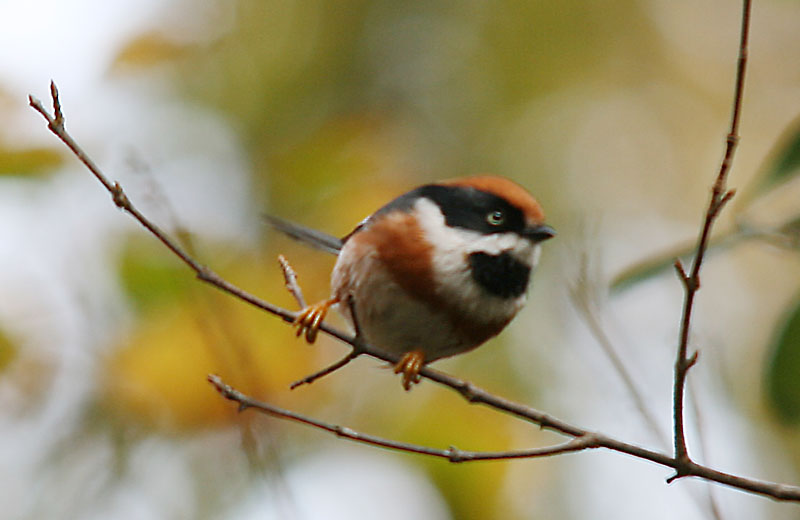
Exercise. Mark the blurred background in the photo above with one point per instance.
(212, 113)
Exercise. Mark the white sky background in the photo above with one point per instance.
(56, 280)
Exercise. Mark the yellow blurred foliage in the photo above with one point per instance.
(158, 373)
(30, 161)
(446, 420)
(342, 172)
(8, 351)
(147, 49)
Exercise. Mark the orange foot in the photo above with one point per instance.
(310, 318)
(409, 365)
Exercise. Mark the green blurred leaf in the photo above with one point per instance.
(783, 162)
(783, 369)
(149, 49)
(151, 277)
(33, 161)
(660, 263)
(8, 351)
(649, 268)
(791, 230)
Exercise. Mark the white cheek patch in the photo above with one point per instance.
(537, 252)
(452, 246)
(456, 243)
(520, 248)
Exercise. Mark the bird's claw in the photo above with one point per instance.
(310, 319)
(410, 365)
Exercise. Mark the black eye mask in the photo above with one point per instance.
(464, 207)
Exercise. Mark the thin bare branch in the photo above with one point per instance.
(121, 200)
(290, 279)
(451, 454)
(713, 507)
(327, 370)
(467, 390)
(720, 195)
(354, 353)
(159, 199)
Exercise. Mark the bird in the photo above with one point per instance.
(435, 272)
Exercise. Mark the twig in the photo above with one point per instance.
(290, 279)
(56, 125)
(467, 390)
(585, 302)
(292, 286)
(354, 353)
(327, 370)
(720, 195)
(713, 507)
(451, 454)
(160, 199)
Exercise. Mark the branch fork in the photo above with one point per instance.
(720, 196)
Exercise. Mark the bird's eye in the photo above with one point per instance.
(495, 218)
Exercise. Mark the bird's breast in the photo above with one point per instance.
(403, 302)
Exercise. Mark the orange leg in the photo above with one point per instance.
(410, 365)
(310, 318)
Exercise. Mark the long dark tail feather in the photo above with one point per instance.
(311, 237)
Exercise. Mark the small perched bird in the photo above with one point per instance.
(436, 272)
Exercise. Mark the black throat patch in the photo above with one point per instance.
(501, 275)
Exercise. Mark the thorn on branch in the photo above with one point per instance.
(468, 391)
(34, 102)
(58, 118)
(342, 431)
(229, 393)
(55, 122)
(205, 274)
(120, 198)
(691, 282)
(692, 360)
(681, 271)
(224, 390)
(290, 281)
(719, 202)
(454, 455)
(684, 467)
(727, 197)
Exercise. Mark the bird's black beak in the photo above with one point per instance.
(539, 233)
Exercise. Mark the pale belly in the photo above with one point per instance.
(392, 320)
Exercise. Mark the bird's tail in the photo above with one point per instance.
(311, 237)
